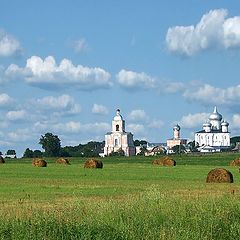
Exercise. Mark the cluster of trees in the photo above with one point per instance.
(52, 148)
(9, 152)
(234, 140)
(138, 143)
(91, 149)
(32, 154)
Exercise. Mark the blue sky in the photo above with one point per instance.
(66, 66)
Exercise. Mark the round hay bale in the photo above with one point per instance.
(2, 159)
(235, 162)
(164, 161)
(38, 162)
(63, 161)
(93, 163)
(219, 175)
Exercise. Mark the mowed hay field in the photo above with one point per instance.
(128, 199)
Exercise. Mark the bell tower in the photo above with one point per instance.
(176, 132)
(118, 124)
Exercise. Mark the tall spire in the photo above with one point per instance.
(215, 109)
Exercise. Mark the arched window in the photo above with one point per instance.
(116, 142)
(117, 127)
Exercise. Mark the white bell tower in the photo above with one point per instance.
(118, 124)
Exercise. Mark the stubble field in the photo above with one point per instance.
(128, 199)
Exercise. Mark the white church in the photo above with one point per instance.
(119, 139)
(215, 135)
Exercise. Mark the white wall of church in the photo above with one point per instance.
(213, 139)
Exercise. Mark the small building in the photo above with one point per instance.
(9, 156)
(208, 149)
(118, 139)
(176, 140)
(215, 133)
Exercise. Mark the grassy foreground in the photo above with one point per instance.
(127, 199)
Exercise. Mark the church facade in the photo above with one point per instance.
(215, 132)
(118, 139)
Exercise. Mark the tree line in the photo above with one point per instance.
(51, 144)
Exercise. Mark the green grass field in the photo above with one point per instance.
(128, 199)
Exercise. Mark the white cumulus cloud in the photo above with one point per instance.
(231, 32)
(69, 127)
(136, 128)
(172, 87)
(99, 109)
(156, 124)
(208, 94)
(5, 100)
(46, 73)
(74, 127)
(213, 30)
(134, 80)
(20, 135)
(8, 45)
(16, 115)
(193, 120)
(137, 115)
(235, 121)
(60, 105)
(97, 127)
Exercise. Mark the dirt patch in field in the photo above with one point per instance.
(2, 160)
(235, 162)
(164, 161)
(93, 163)
(219, 175)
(38, 162)
(63, 161)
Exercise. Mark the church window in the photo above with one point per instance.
(116, 142)
(117, 127)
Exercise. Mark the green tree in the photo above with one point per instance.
(234, 140)
(193, 146)
(37, 154)
(28, 153)
(90, 149)
(11, 152)
(178, 149)
(51, 144)
(136, 143)
(118, 153)
(139, 143)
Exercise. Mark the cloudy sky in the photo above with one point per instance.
(66, 66)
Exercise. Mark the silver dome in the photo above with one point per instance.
(215, 115)
(224, 123)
